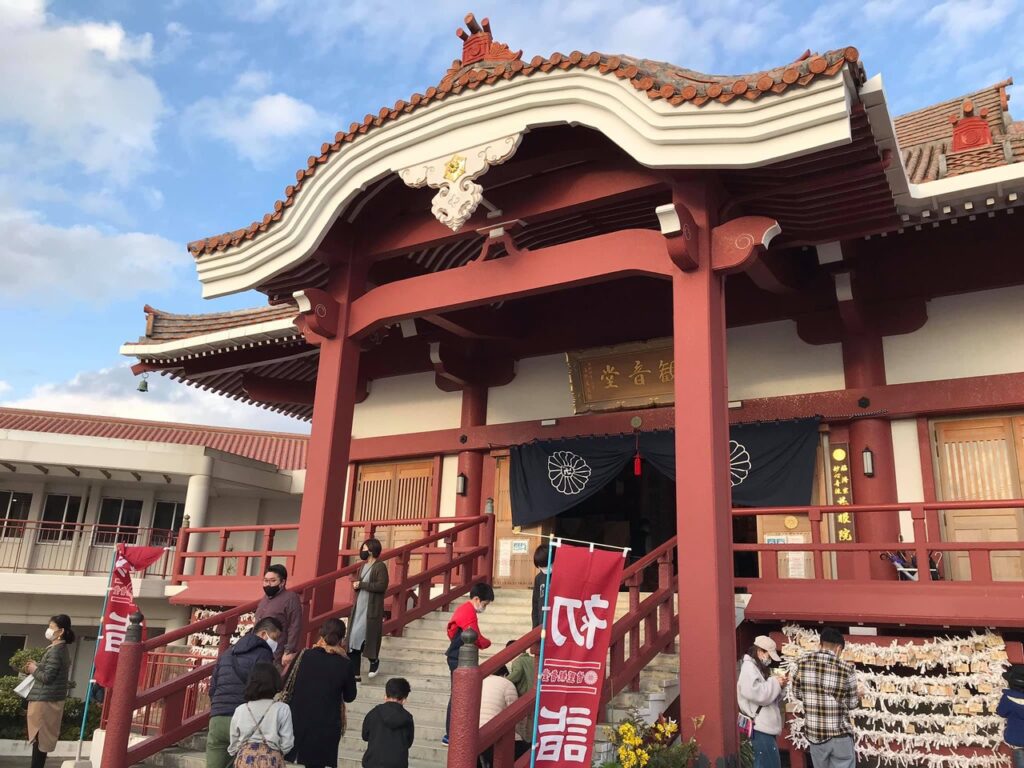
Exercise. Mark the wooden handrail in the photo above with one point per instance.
(623, 668)
(177, 724)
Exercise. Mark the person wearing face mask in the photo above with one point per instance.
(465, 617)
(758, 694)
(278, 603)
(370, 584)
(50, 689)
(228, 681)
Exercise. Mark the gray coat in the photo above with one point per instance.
(52, 674)
(375, 585)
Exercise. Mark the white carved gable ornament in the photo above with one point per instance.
(453, 176)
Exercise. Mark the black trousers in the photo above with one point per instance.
(38, 758)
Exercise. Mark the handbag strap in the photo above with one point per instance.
(293, 672)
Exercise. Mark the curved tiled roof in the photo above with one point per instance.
(282, 449)
(926, 134)
(168, 326)
(658, 80)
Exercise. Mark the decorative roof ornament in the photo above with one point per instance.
(458, 195)
(972, 130)
(479, 44)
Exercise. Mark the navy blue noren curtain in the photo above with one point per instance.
(771, 464)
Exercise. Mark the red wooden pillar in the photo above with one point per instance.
(707, 639)
(325, 322)
(864, 366)
(471, 463)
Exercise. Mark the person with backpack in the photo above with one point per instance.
(758, 693)
(465, 617)
(228, 681)
(261, 728)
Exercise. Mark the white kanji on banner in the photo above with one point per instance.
(564, 734)
(590, 624)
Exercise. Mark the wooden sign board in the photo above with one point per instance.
(636, 375)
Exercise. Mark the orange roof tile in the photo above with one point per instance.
(659, 80)
(282, 449)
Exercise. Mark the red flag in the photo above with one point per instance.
(120, 605)
(584, 588)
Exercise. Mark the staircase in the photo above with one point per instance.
(418, 656)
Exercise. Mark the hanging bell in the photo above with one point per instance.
(143, 385)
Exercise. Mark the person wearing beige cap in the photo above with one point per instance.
(758, 693)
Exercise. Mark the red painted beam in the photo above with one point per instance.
(889, 603)
(587, 186)
(976, 394)
(237, 360)
(596, 259)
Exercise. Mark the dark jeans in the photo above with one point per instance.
(1018, 757)
(766, 751)
(448, 717)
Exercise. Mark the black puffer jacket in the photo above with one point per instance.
(227, 683)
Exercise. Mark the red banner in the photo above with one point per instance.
(120, 605)
(584, 587)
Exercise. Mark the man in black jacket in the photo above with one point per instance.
(227, 685)
(388, 728)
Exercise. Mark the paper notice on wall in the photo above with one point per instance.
(505, 558)
(797, 560)
(520, 547)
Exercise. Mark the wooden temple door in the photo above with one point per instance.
(395, 491)
(513, 550)
(982, 459)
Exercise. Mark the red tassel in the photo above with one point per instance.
(636, 466)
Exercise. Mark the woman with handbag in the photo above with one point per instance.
(370, 584)
(261, 728)
(49, 689)
(758, 693)
(319, 683)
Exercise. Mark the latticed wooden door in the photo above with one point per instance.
(980, 459)
(395, 491)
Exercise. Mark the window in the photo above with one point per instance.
(13, 513)
(60, 517)
(166, 523)
(119, 521)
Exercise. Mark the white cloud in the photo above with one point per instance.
(964, 21)
(114, 392)
(75, 90)
(256, 125)
(5, 387)
(253, 80)
(82, 262)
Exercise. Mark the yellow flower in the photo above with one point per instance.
(643, 756)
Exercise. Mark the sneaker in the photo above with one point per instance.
(444, 740)
(374, 666)
(359, 678)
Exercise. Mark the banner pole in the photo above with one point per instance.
(92, 671)
(545, 612)
(590, 544)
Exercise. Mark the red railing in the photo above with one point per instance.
(172, 709)
(78, 549)
(927, 541)
(246, 551)
(628, 654)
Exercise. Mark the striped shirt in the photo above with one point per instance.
(827, 686)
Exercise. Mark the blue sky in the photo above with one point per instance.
(128, 128)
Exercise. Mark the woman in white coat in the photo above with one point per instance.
(759, 693)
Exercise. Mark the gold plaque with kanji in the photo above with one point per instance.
(626, 376)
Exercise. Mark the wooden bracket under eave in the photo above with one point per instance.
(736, 244)
(318, 315)
(680, 231)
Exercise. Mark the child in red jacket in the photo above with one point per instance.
(466, 617)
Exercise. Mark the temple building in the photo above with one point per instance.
(758, 321)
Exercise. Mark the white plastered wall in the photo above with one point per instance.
(770, 360)
(449, 471)
(540, 390)
(767, 360)
(404, 404)
(909, 484)
(957, 340)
